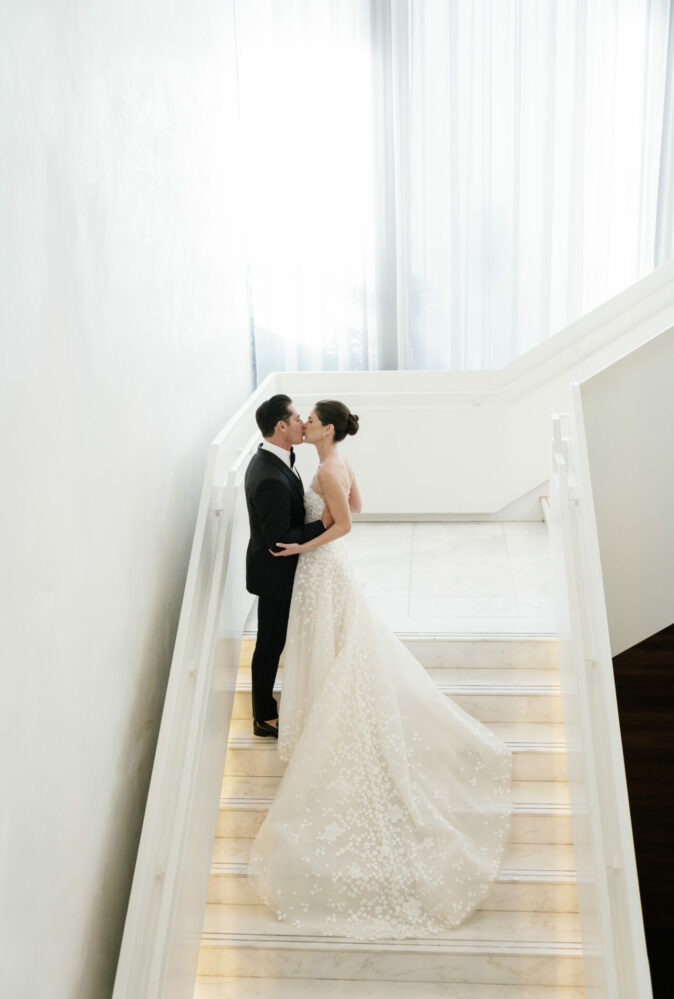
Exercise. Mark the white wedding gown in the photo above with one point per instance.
(393, 814)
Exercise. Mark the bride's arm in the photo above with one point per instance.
(355, 501)
(337, 502)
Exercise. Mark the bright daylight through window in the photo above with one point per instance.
(436, 184)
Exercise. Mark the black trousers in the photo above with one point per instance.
(272, 625)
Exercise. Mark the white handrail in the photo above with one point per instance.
(614, 946)
(161, 935)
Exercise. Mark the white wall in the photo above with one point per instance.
(629, 426)
(475, 444)
(124, 343)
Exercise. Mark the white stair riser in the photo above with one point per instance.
(265, 960)
(219, 987)
(541, 828)
(484, 653)
(525, 827)
(264, 761)
(497, 676)
(480, 652)
(505, 895)
(486, 707)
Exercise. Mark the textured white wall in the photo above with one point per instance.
(124, 350)
(629, 425)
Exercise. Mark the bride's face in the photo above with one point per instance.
(313, 428)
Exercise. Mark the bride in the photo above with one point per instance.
(393, 814)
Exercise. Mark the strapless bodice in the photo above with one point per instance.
(313, 506)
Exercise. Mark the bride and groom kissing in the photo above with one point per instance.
(275, 498)
(392, 815)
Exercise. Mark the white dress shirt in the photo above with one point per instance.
(281, 453)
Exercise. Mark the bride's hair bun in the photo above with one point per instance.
(343, 420)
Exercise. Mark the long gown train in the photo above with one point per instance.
(392, 816)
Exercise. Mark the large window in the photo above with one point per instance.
(445, 183)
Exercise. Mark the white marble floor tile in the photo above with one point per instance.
(458, 546)
(536, 625)
(527, 547)
(391, 608)
(522, 527)
(449, 579)
(536, 606)
(532, 579)
(505, 625)
(472, 528)
(377, 578)
(383, 543)
(468, 578)
(437, 532)
(474, 606)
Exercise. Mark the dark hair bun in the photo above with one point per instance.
(335, 412)
(352, 424)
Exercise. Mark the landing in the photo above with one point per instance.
(477, 578)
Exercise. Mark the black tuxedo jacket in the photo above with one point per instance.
(275, 499)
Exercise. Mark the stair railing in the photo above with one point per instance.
(160, 945)
(614, 947)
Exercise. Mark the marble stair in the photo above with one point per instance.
(524, 940)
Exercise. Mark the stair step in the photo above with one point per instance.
(557, 858)
(525, 793)
(486, 702)
(521, 884)
(530, 762)
(478, 651)
(252, 755)
(530, 891)
(320, 988)
(529, 823)
(541, 733)
(490, 947)
(541, 812)
(486, 925)
(459, 675)
(524, 940)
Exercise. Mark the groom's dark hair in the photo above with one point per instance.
(270, 412)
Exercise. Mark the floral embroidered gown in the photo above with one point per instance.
(392, 816)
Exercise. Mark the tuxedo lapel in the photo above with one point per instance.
(294, 480)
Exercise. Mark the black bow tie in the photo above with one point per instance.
(292, 457)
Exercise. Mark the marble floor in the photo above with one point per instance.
(491, 578)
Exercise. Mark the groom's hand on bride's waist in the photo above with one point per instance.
(286, 549)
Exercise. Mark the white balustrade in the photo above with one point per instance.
(161, 936)
(615, 958)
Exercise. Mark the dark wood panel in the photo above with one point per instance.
(644, 679)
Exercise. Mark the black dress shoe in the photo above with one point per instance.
(262, 728)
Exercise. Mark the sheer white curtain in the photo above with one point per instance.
(445, 183)
(535, 133)
(304, 92)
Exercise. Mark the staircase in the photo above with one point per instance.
(524, 941)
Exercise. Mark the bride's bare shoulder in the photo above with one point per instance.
(335, 469)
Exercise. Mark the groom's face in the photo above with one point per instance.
(294, 425)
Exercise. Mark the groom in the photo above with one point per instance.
(275, 499)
